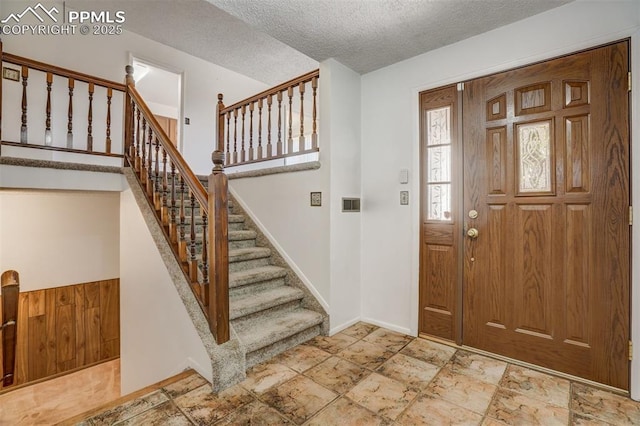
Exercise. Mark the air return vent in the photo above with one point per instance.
(351, 204)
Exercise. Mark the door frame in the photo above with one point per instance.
(634, 134)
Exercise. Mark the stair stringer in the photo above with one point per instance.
(309, 300)
(228, 361)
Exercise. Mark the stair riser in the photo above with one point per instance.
(242, 244)
(268, 352)
(235, 226)
(255, 287)
(245, 265)
(281, 308)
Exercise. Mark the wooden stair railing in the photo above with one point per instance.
(175, 193)
(70, 79)
(245, 139)
(10, 283)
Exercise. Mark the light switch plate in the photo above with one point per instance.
(404, 176)
(316, 199)
(404, 198)
(10, 74)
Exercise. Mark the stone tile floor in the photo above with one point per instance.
(367, 375)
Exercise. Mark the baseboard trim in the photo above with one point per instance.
(388, 326)
(343, 326)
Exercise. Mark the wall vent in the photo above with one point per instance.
(351, 204)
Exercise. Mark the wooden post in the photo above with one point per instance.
(219, 250)
(129, 149)
(71, 83)
(90, 119)
(23, 127)
(10, 282)
(48, 138)
(108, 138)
(220, 120)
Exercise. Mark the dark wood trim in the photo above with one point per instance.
(279, 88)
(10, 283)
(63, 72)
(60, 149)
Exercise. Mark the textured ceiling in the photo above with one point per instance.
(369, 34)
(275, 40)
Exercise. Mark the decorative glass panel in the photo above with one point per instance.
(439, 126)
(439, 199)
(534, 149)
(439, 163)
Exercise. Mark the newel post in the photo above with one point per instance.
(219, 253)
(219, 108)
(129, 146)
(10, 283)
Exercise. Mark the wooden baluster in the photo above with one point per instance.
(90, 120)
(150, 164)
(156, 176)
(70, 115)
(130, 128)
(108, 139)
(220, 120)
(301, 140)
(143, 151)
(23, 128)
(193, 263)
(259, 128)
(279, 143)
(137, 152)
(314, 135)
(219, 250)
(290, 140)
(182, 246)
(48, 137)
(243, 153)
(269, 146)
(165, 186)
(172, 217)
(235, 136)
(251, 131)
(228, 156)
(205, 260)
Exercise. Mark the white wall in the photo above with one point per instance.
(201, 84)
(59, 238)
(280, 206)
(157, 337)
(340, 97)
(390, 233)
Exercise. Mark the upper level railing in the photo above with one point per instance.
(80, 124)
(276, 123)
(190, 215)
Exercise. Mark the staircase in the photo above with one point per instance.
(270, 310)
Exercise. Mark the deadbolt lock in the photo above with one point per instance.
(472, 233)
(473, 214)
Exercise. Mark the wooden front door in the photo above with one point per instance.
(545, 234)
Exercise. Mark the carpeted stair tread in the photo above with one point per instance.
(249, 303)
(249, 253)
(245, 234)
(240, 278)
(271, 328)
(236, 218)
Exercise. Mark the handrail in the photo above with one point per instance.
(251, 125)
(279, 88)
(10, 283)
(179, 161)
(62, 72)
(169, 185)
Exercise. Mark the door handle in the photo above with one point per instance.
(472, 233)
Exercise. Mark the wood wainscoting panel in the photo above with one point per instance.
(65, 328)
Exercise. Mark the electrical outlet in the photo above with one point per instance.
(404, 198)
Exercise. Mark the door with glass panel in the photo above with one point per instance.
(544, 234)
(439, 240)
